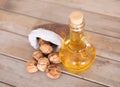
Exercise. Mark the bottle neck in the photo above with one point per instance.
(76, 31)
(76, 35)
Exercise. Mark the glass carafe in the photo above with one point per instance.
(76, 53)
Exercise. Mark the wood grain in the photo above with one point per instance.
(102, 30)
(98, 23)
(16, 22)
(106, 46)
(103, 71)
(2, 3)
(14, 73)
(98, 6)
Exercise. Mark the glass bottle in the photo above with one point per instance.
(76, 53)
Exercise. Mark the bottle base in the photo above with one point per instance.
(78, 70)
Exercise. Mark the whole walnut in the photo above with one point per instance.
(46, 48)
(54, 58)
(53, 71)
(37, 54)
(41, 42)
(31, 66)
(43, 64)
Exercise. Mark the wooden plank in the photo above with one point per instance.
(5, 85)
(103, 71)
(13, 72)
(7, 46)
(19, 23)
(2, 3)
(98, 6)
(106, 46)
(98, 23)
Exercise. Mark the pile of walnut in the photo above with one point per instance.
(45, 60)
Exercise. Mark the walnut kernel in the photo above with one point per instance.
(54, 57)
(53, 71)
(46, 49)
(31, 66)
(41, 42)
(37, 54)
(43, 63)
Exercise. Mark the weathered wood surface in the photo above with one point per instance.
(97, 6)
(2, 3)
(102, 30)
(13, 72)
(98, 23)
(109, 69)
(106, 46)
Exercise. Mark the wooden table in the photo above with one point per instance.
(19, 17)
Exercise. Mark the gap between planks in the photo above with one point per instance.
(3, 84)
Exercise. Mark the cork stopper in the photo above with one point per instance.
(76, 19)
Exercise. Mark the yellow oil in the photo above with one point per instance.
(76, 53)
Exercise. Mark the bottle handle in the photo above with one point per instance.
(84, 39)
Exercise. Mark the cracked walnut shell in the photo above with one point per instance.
(31, 66)
(41, 42)
(46, 48)
(54, 57)
(37, 55)
(53, 71)
(43, 64)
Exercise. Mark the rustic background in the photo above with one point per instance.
(19, 17)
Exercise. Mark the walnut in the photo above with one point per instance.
(41, 42)
(46, 49)
(37, 54)
(53, 71)
(54, 58)
(43, 63)
(31, 66)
